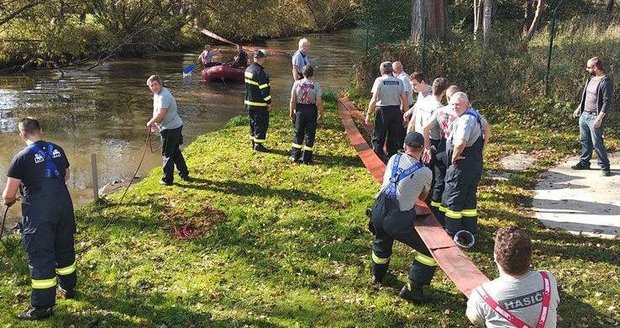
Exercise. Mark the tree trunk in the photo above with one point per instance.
(535, 21)
(609, 5)
(486, 23)
(429, 15)
(477, 17)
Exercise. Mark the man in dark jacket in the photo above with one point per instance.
(595, 105)
(258, 100)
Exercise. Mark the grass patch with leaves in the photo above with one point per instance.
(285, 245)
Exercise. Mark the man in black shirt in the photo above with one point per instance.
(39, 171)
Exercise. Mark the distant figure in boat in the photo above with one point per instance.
(206, 56)
(300, 59)
(241, 58)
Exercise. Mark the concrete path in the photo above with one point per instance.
(580, 201)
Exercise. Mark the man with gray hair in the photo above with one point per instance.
(300, 59)
(464, 153)
(390, 101)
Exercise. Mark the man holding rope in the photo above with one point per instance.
(166, 118)
(40, 171)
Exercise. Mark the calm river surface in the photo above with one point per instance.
(104, 111)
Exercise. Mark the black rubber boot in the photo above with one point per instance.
(414, 295)
(34, 313)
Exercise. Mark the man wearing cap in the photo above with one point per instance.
(464, 152)
(388, 96)
(258, 100)
(300, 59)
(405, 180)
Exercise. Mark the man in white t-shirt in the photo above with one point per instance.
(519, 292)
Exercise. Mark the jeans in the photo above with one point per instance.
(171, 154)
(592, 139)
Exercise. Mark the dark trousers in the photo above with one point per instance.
(259, 123)
(387, 131)
(305, 129)
(391, 224)
(440, 165)
(48, 229)
(171, 154)
(461, 185)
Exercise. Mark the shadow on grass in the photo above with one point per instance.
(251, 189)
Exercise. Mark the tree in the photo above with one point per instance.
(609, 5)
(486, 23)
(13, 9)
(533, 26)
(430, 16)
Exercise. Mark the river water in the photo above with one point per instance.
(104, 111)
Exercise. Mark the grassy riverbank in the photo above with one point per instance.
(285, 245)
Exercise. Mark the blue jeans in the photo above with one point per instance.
(592, 139)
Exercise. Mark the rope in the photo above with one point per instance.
(7, 245)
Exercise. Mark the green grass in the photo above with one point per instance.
(289, 247)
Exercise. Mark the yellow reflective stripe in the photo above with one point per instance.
(259, 140)
(454, 214)
(379, 260)
(443, 209)
(248, 81)
(253, 103)
(425, 259)
(307, 148)
(66, 270)
(252, 138)
(248, 75)
(435, 204)
(263, 86)
(268, 98)
(470, 213)
(296, 146)
(43, 283)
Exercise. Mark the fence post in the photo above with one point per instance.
(93, 163)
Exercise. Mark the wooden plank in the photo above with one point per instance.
(457, 266)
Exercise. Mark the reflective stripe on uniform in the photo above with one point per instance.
(379, 260)
(454, 214)
(43, 283)
(259, 140)
(248, 75)
(425, 259)
(66, 270)
(442, 208)
(435, 204)
(470, 213)
(252, 138)
(268, 98)
(248, 81)
(307, 148)
(263, 86)
(253, 103)
(296, 146)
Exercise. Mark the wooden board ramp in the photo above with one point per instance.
(457, 266)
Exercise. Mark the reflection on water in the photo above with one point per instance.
(104, 111)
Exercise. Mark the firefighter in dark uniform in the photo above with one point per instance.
(258, 100)
(305, 108)
(39, 171)
(464, 150)
(390, 98)
(392, 217)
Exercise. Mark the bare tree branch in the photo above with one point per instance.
(19, 11)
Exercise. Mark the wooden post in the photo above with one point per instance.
(93, 162)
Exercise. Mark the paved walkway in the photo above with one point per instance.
(580, 201)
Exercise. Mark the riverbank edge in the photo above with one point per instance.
(291, 246)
